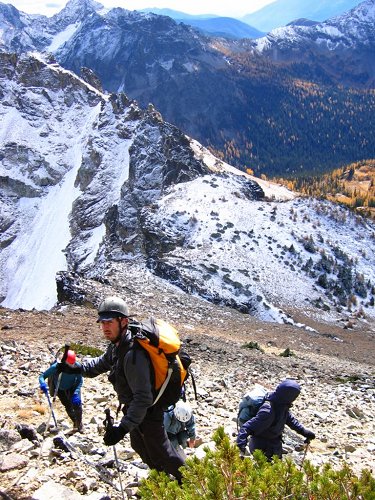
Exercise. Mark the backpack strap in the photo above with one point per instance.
(163, 387)
(136, 347)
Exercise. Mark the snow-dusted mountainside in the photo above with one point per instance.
(353, 30)
(89, 180)
(279, 119)
(66, 151)
(342, 48)
(20, 32)
(70, 35)
(262, 257)
(65, 33)
(282, 12)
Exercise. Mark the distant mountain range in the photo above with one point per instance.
(274, 15)
(224, 27)
(282, 12)
(211, 24)
(294, 102)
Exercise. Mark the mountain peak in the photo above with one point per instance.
(302, 22)
(79, 8)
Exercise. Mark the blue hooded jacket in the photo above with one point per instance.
(68, 382)
(267, 427)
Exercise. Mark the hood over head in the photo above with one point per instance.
(286, 392)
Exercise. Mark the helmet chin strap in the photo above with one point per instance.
(120, 332)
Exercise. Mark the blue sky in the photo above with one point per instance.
(234, 8)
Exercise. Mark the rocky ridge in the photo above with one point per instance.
(335, 368)
(106, 140)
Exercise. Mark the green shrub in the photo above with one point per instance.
(287, 353)
(85, 350)
(223, 475)
(348, 378)
(253, 345)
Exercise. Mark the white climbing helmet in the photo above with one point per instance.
(183, 411)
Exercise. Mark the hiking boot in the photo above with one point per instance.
(80, 429)
(71, 432)
(77, 427)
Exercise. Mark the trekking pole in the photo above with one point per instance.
(65, 355)
(108, 423)
(51, 408)
(305, 453)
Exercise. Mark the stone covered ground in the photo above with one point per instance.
(333, 363)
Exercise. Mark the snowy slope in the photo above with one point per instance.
(264, 256)
(57, 128)
(354, 29)
(65, 156)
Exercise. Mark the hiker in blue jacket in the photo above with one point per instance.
(266, 428)
(69, 389)
(179, 423)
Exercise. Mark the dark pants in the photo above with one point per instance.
(65, 396)
(269, 447)
(151, 443)
(74, 411)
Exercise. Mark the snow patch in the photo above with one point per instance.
(167, 64)
(37, 254)
(271, 190)
(62, 37)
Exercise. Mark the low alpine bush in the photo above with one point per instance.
(223, 475)
(85, 350)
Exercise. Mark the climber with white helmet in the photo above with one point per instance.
(179, 423)
(68, 388)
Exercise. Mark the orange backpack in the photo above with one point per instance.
(170, 365)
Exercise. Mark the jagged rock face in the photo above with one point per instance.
(78, 163)
(89, 76)
(169, 160)
(74, 10)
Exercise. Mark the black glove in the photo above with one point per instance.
(113, 435)
(64, 368)
(309, 435)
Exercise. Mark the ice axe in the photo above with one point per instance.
(108, 423)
